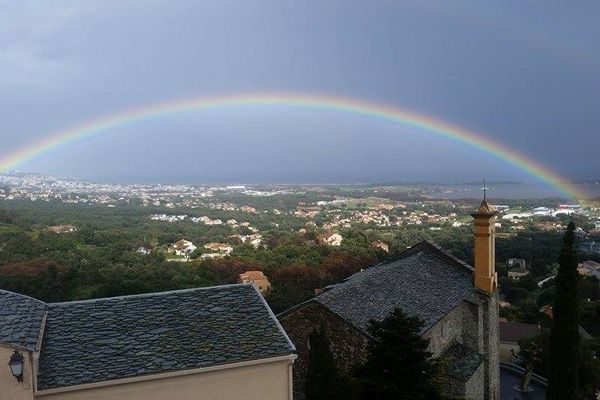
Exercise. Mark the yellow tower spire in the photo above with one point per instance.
(486, 277)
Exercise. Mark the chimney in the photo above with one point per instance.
(486, 277)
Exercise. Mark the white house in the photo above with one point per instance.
(144, 250)
(182, 248)
(331, 239)
(219, 247)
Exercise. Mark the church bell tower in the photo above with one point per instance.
(486, 277)
(486, 283)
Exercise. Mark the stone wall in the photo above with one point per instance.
(491, 346)
(348, 345)
(464, 325)
(472, 323)
(474, 389)
(446, 331)
(470, 390)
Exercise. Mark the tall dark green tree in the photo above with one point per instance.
(321, 377)
(398, 364)
(563, 366)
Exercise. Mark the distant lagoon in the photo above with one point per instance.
(509, 190)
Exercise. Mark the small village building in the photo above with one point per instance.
(547, 310)
(330, 239)
(589, 268)
(458, 303)
(589, 247)
(516, 262)
(254, 239)
(182, 248)
(219, 247)
(219, 250)
(212, 343)
(213, 255)
(63, 228)
(378, 244)
(256, 278)
(510, 334)
(517, 273)
(144, 250)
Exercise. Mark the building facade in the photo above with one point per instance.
(458, 303)
(209, 343)
(256, 278)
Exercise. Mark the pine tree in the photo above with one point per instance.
(321, 376)
(563, 366)
(398, 364)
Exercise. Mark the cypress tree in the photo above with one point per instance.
(321, 376)
(563, 366)
(398, 364)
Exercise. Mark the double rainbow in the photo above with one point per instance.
(309, 101)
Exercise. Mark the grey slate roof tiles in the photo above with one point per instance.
(462, 362)
(20, 319)
(104, 339)
(426, 282)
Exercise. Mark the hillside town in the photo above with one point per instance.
(327, 211)
(301, 247)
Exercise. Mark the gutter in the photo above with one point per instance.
(289, 358)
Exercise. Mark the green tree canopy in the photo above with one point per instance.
(398, 364)
(564, 337)
(321, 376)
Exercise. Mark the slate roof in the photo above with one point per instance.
(21, 319)
(104, 339)
(426, 282)
(462, 362)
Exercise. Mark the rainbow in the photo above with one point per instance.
(311, 101)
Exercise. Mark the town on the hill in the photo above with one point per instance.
(321, 255)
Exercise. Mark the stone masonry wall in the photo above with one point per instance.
(473, 324)
(491, 346)
(348, 345)
(457, 389)
(463, 325)
(446, 331)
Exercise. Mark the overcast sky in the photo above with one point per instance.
(524, 73)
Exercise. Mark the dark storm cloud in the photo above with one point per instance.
(524, 75)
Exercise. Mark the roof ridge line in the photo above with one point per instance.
(427, 245)
(163, 293)
(24, 295)
(274, 317)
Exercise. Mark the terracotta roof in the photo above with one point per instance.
(253, 275)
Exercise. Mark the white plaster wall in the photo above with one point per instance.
(9, 387)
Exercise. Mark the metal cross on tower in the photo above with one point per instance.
(484, 190)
